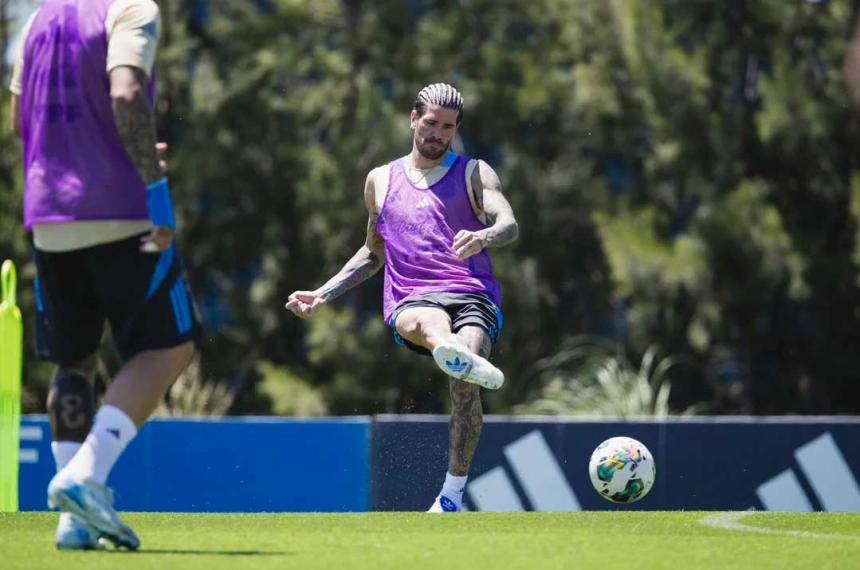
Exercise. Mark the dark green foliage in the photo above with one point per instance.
(681, 172)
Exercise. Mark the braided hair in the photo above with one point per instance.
(440, 94)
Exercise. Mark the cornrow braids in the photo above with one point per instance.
(440, 94)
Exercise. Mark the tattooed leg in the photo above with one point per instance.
(71, 405)
(467, 415)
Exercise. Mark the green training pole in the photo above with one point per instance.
(10, 388)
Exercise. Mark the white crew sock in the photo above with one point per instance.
(453, 488)
(112, 431)
(64, 451)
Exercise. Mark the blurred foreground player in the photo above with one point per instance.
(102, 221)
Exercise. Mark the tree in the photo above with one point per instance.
(682, 172)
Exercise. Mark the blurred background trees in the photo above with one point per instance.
(684, 175)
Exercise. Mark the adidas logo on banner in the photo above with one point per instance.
(538, 473)
(828, 474)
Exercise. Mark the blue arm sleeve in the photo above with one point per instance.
(160, 205)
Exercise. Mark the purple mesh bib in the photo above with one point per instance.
(76, 166)
(418, 226)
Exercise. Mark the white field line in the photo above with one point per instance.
(731, 521)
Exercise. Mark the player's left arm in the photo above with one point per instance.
(502, 227)
(132, 48)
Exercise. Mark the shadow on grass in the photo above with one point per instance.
(203, 552)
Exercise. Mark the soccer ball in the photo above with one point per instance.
(622, 470)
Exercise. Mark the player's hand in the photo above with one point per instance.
(304, 304)
(157, 240)
(466, 243)
(161, 149)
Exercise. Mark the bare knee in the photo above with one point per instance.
(409, 328)
(423, 327)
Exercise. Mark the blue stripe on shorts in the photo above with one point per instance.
(181, 307)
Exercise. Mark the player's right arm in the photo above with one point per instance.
(365, 263)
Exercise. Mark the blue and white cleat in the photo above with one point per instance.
(93, 503)
(443, 504)
(74, 534)
(467, 366)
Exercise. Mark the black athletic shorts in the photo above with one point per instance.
(465, 309)
(144, 296)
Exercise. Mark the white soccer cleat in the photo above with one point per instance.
(443, 504)
(74, 534)
(93, 503)
(468, 367)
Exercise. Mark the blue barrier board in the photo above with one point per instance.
(522, 464)
(787, 464)
(226, 465)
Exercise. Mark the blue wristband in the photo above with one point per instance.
(159, 204)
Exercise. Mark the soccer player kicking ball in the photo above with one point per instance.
(433, 213)
(102, 222)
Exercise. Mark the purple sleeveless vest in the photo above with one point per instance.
(76, 166)
(418, 226)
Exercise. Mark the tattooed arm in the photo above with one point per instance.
(502, 226)
(135, 119)
(364, 264)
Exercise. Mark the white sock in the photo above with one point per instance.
(112, 431)
(453, 488)
(64, 451)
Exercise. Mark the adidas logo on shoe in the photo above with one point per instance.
(462, 365)
(448, 506)
(443, 504)
(457, 366)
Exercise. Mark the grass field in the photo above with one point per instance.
(601, 540)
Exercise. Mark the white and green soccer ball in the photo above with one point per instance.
(622, 470)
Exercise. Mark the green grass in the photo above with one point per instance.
(602, 540)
